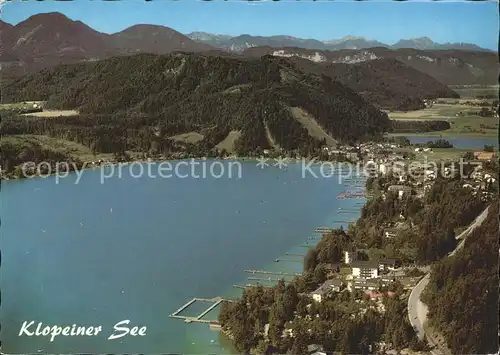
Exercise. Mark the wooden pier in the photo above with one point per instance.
(291, 260)
(188, 319)
(299, 255)
(323, 230)
(270, 279)
(274, 272)
(251, 285)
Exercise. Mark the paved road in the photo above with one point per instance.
(417, 310)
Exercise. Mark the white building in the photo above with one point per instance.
(400, 189)
(387, 264)
(325, 289)
(350, 255)
(365, 269)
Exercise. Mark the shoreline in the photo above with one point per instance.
(328, 220)
(89, 166)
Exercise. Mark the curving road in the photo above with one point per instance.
(417, 310)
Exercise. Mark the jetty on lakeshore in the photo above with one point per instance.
(306, 246)
(216, 301)
(275, 272)
(352, 194)
(270, 279)
(323, 230)
(299, 255)
(250, 285)
(291, 260)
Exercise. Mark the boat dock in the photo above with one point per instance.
(253, 278)
(291, 260)
(266, 275)
(323, 230)
(249, 285)
(274, 272)
(299, 255)
(306, 246)
(188, 319)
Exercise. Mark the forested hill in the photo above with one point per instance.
(463, 292)
(178, 93)
(386, 83)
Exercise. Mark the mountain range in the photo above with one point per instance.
(450, 67)
(242, 42)
(49, 39)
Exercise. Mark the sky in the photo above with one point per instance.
(382, 20)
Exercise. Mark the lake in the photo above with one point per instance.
(458, 142)
(136, 249)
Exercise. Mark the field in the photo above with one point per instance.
(465, 124)
(438, 154)
(29, 105)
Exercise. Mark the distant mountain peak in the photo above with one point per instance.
(423, 38)
(352, 38)
(48, 17)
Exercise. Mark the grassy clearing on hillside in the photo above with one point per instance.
(189, 137)
(312, 126)
(52, 113)
(228, 143)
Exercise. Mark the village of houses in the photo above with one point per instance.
(412, 178)
(413, 175)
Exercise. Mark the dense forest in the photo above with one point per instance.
(439, 143)
(428, 226)
(409, 126)
(14, 152)
(140, 102)
(462, 294)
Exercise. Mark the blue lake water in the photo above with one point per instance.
(138, 248)
(458, 142)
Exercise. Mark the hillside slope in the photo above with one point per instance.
(386, 83)
(468, 280)
(183, 93)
